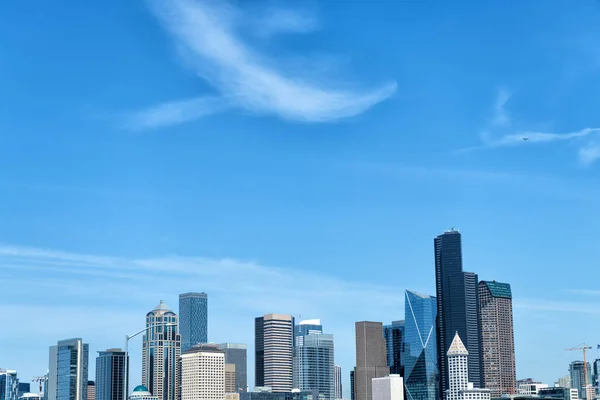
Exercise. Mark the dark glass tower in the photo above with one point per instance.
(457, 307)
(235, 353)
(110, 375)
(193, 319)
(259, 351)
(393, 335)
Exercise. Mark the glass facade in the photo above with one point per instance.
(9, 385)
(393, 335)
(577, 372)
(193, 319)
(110, 375)
(314, 365)
(236, 353)
(421, 376)
(72, 370)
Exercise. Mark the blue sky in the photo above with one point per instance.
(295, 157)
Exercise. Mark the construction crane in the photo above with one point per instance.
(41, 380)
(585, 348)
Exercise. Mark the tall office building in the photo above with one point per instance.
(352, 385)
(203, 373)
(370, 358)
(421, 378)
(337, 382)
(497, 338)
(274, 351)
(193, 319)
(230, 386)
(577, 372)
(91, 390)
(314, 365)
(458, 374)
(457, 306)
(9, 385)
(306, 327)
(393, 334)
(390, 387)
(160, 352)
(236, 353)
(111, 379)
(68, 370)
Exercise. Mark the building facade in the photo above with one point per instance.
(390, 387)
(141, 393)
(370, 358)
(269, 395)
(529, 387)
(314, 365)
(111, 375)
(393, 334)
(230, 386)
(577, 372)
(193, 319)
(457, 306)
(9, 385)
(160, 351)
(458, 374)
(558, 393)
(497, 338)
(91, 390)
(24, 387)
(421, 378)
(203, 373)
(236, 353)
(68, 370)
(274, 339)
(306, 327)
(337, 382)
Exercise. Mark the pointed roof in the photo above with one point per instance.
(457, 348)
(162, 307)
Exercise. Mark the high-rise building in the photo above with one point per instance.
(393, 334)
(497, 338)
(314, 364)
(160, 351)
(91, 389)
(564, 382)
(9, 385)
(193, 319)
(337, 382)
(457, 306)
(458, 374)
(236, 353)
(203, 373)
(68, 370)
(230, 386)
(306, 327)
(352, 385)
(274, 351)
(421, 379)
(370, 358)
(577, 371)
(111, 379)
(389, 387)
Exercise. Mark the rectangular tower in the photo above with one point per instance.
(235, 353)
(370, 358)
(193, 319)
(111, 379)
(497, 338)
(314, 365)
(337, 378)
(274, 351)
(393, 334)
(68, 370)
(203, 373)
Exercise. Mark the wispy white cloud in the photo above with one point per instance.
(208, 36)
(272, 21)
(589, 153)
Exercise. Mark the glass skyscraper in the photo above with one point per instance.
(314, 365)
(68, 370)
(193, 319)
(421, 378)
(236, 353)
(111, 383)
(393, 335)
(578, 378)
(9, 385)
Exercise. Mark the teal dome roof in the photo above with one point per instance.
(140, 388)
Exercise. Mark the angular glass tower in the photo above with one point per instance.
(421, 379)
(193, 319)
(393, 335)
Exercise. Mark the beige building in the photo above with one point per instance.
(230, 378)
(203, 373)
(371, 359)
(274, 352)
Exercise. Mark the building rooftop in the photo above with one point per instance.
(140, 388)
(421, 295)
(457, 348)
(193, 294)
(499, 289)
(162, 307)
(310, 322)
(204, 348)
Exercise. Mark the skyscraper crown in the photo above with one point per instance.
(457, 348)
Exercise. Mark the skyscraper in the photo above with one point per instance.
(9, 385)
(314, 364)
(160, 352)
(68, 370)
(274, 351)
(497, 338)
(193, 319)
(111, 382)
(91, 390)
(457, 306)
(393, 334)
(458, 374)
(370, 358)
(421, 378)
(203, 373)
(337, 381)
(577, 372)
(306, 327)
(236, 353)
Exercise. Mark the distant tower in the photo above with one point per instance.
(394, 336)
(91, 390)
(68, 370)
(458, 376)
(203, 373)
(193, 319)
(274, 340)
(110, 375)
(314, 360)
(160, 352)
(337, 377)
(370, 358)
(577, 372)
(236, 353)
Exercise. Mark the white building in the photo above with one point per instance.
(337, 381)
(203, 373)
(458, 374)
(390, 387)
(529, 388)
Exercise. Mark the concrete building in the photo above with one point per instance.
(458, 374)
(236, 353)
(314, 364)
(457, 307)
(389, 387)
(337, 382)
(370, 358)
(111, 379)
(141, 393)
(68, 370)
(91, 390)
(203, 373)
(230, 386)
(160, 351)
(193, 319)
(497, 338)
(529, 387)
(273, 344)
